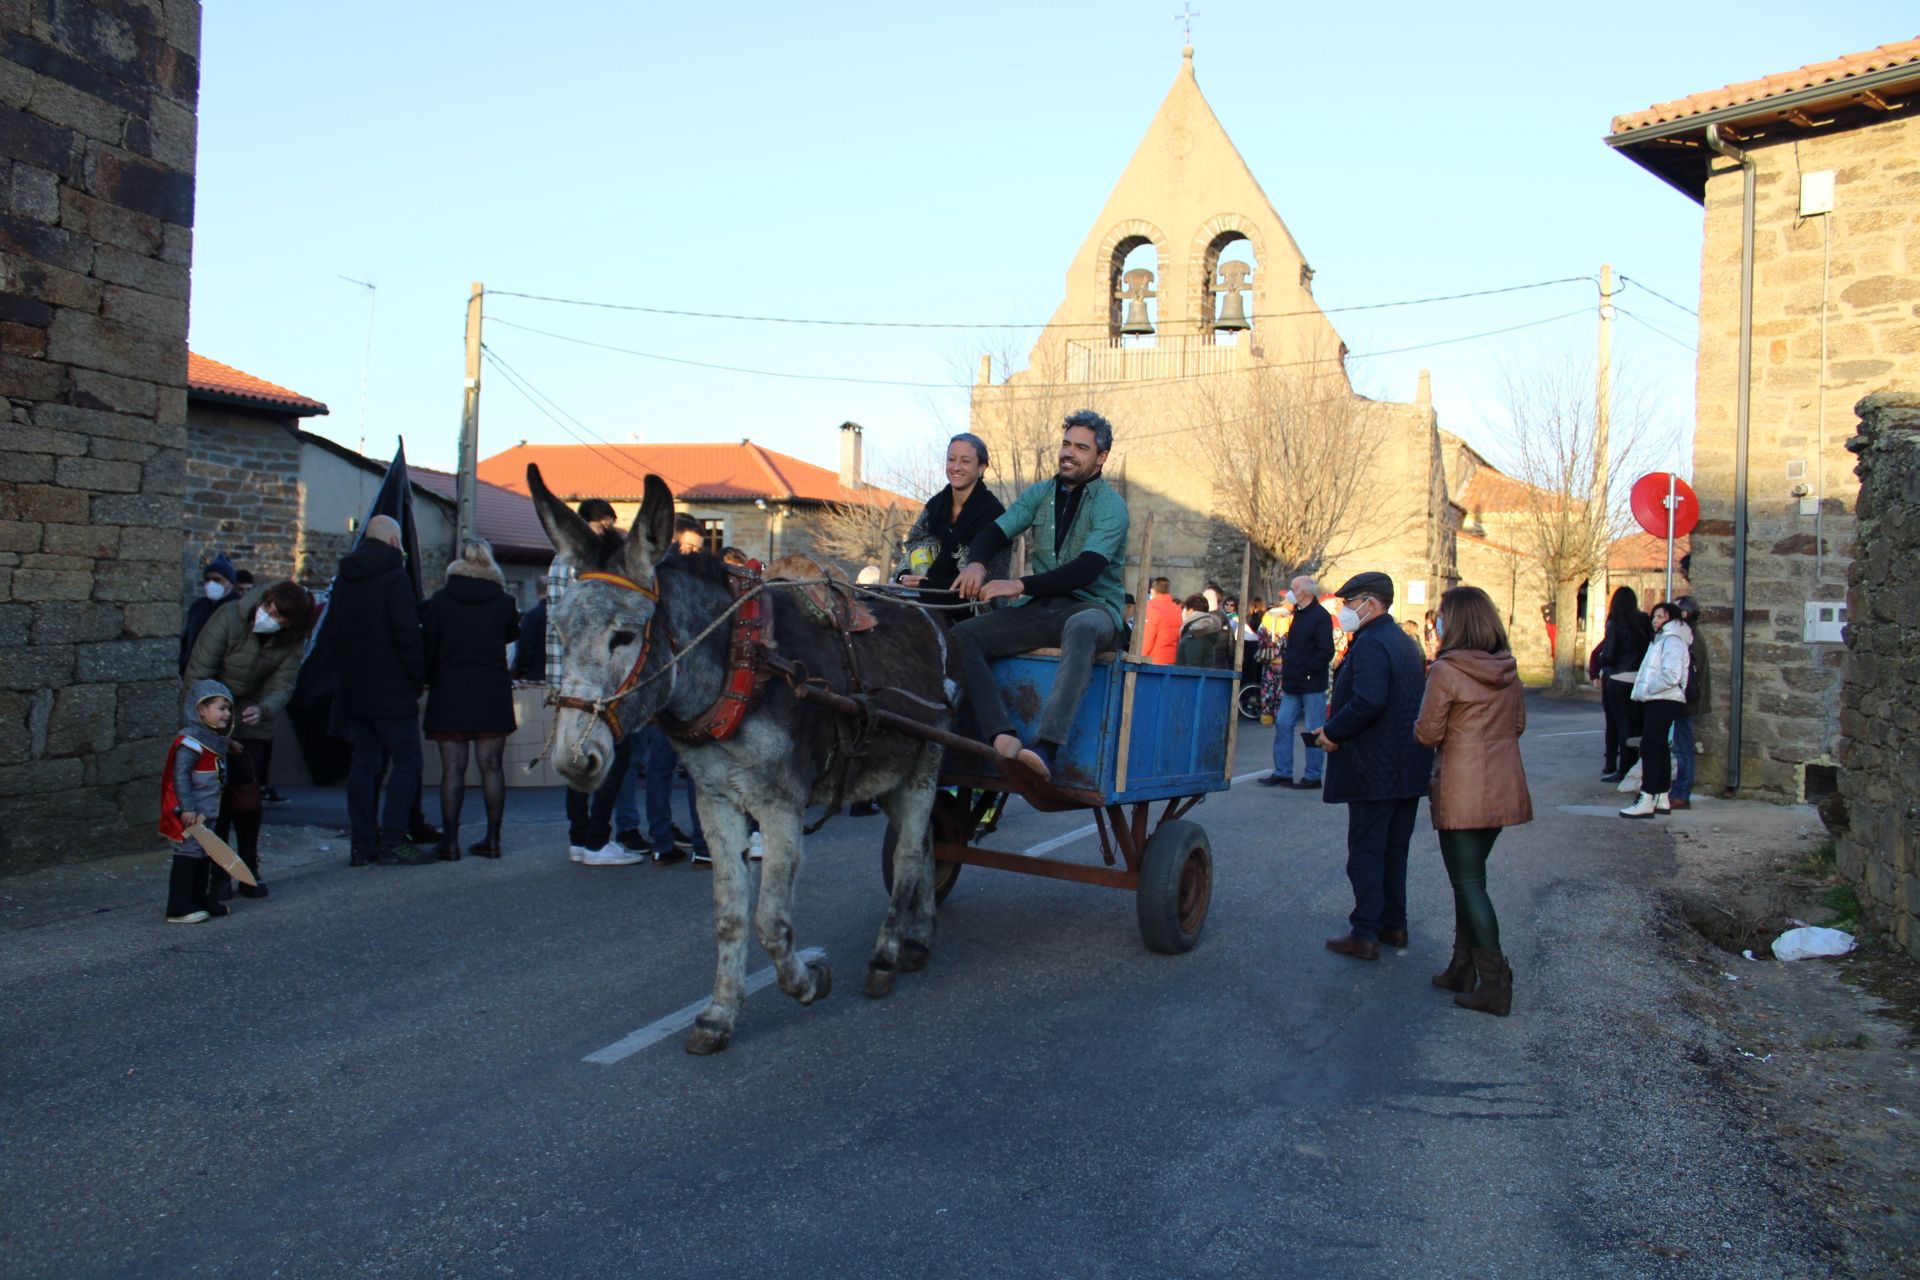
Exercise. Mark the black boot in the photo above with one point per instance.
(181, 907)
(488, 848)
(447, 850)
(253, 864)
(203, 889)
(1495, 993)
(1457, 976)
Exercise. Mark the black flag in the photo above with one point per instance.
(395, 499)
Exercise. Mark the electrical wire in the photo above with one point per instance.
(534, 396)
(949, 386)
(1641, 284)
(1043, 324)
(1678, 342)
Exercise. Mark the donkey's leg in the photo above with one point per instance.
(773, 917)
(726, 830)
(908, 927)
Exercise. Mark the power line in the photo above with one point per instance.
(1678, 342)
(935, 324)
(534, 397)
(1640, 284)
(950, 386)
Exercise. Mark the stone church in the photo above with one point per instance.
(1189, 320)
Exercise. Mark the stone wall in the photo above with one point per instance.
(1880, 694)
(1858, 268)
(97, 137)
(243, 492)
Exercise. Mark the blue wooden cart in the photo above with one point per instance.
(1144, 735)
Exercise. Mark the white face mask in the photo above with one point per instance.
(1349, 618)
(216, 591)
(264, 623)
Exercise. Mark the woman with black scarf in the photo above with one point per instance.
(937, 544)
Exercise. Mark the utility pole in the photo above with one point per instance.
(1602, 411)
(466, 487)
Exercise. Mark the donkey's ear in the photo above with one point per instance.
(567, 532)
(652, 531)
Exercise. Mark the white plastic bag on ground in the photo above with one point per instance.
(1632, 781)
(1810, 941)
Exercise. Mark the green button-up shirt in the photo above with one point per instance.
(1099, 525)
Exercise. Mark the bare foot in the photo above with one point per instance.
(1031, 758)
(1007, 745)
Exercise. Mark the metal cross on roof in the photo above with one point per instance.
(1185, 18)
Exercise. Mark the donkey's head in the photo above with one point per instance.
(607, 628)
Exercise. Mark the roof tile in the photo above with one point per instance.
(695, 472)
(210, 377)
(1832, 71)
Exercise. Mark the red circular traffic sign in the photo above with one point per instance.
(1649, 500)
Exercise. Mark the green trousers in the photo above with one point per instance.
(1466, 854)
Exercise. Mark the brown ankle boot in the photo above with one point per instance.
(1457, 976)
(1495, 993)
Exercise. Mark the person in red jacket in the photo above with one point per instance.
(1161, 643)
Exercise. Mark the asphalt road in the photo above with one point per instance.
(383, 1072)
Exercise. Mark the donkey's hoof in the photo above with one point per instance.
(708, 1037)
(879, 981)
(913, 955)
(822, 981)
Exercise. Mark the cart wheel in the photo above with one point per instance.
(949, 823)
(1250, 701)
(1176, 887)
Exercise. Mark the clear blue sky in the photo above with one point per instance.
(911, 163)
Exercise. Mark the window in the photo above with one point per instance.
(713, 534)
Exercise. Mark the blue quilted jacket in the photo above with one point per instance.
(1376, 698)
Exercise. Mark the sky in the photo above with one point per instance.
(915, 165)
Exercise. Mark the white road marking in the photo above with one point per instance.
(681, 1019)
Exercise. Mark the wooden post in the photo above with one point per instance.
(1128, 677)
(1233, 708)
(466, 485)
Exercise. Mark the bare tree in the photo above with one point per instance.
(867, 532)
(1290, 459)
(1565, 526)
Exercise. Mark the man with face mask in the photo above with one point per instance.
(1375, 765)
(216, 589)
(1306, 653)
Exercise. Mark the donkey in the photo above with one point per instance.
(623, 628)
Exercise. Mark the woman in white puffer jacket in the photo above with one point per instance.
(1661, 689)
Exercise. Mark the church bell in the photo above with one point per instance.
(1233, 309)
(1136, 290)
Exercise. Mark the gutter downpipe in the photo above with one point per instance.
(1742, 414)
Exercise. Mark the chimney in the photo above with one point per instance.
(1424, 396)
(850, 433)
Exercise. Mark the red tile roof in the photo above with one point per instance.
(1644, 552)
(506, 519)
(696, 473)
(223, 381)
(1748, 92)
(1488, 491)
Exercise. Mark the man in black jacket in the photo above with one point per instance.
(1378, 769)
(374, 621)
(1306, 654)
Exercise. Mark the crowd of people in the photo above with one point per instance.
(1386, 711)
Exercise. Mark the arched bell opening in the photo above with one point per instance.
(1230, 266)
(1134, 312)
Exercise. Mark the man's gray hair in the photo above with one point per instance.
(1101, 428)
(1313, 584)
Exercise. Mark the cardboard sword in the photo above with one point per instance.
(221, 852)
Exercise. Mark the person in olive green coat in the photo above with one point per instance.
(254, 648)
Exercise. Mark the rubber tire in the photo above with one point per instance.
(1249, 701)
(948, 818)
(1176, 887)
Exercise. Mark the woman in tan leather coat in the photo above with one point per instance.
(1474, 712)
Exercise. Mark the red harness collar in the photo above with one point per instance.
(752, 628)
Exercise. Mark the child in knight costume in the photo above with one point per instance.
(190, 787)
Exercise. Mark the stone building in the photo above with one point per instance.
(97, 141)
(1189, 320)
(1832, 153)
(746, 495)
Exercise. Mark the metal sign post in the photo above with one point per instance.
(1672, 480)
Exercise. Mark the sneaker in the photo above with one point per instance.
(407, 854)
(195, 916)
(756, 847)
(269, 795)
(681, 840)
(629, 839)
(672, 853)
(577, 852)
(702, 858)
(1641, 808)
(611, 854)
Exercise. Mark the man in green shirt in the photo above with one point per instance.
(1072, 599)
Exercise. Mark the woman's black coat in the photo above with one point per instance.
(955, 536)
(469, 624)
